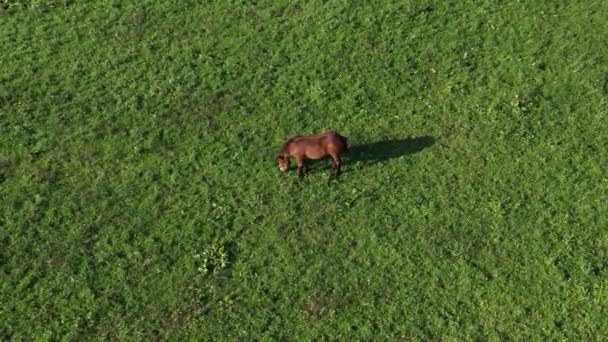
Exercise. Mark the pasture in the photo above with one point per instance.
(140, 196)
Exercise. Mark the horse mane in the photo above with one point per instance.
(290, 140)
(284, 147)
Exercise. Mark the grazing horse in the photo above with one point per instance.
(314, 146)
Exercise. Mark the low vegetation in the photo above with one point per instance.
(140, 197)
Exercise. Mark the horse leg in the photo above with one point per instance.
(338, 165)
(301, 166)
(336, 162)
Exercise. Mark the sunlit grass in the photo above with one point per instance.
(140, 196)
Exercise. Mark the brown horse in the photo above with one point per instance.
(314, 146)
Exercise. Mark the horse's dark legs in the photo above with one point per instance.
(301, 167)
(336, 164)
(302, 171)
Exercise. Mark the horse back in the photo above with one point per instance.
(316, 144)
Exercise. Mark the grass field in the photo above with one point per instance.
(140, 198)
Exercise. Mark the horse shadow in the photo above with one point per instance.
(380, 151)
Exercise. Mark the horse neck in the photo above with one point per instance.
(284, 151)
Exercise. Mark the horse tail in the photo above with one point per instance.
(345, 141)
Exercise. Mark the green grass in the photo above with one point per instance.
(140, 198)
